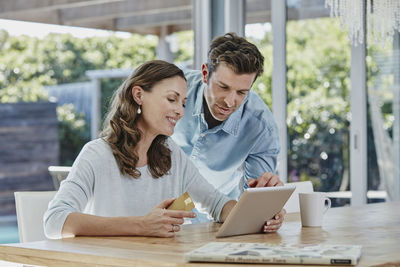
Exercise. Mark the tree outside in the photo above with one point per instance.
(28, 64)
(318, 89)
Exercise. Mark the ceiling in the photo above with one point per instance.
(140, 16)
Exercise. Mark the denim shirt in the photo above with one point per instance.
(243, 146)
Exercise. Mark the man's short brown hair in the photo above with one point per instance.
(237, 53)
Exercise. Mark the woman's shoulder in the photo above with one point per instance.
(172, 145)
(98, 143)
(97, 147)
(180, 163)
(177, 153)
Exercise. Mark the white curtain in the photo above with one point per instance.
(383, 145)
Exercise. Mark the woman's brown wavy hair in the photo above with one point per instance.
(120, 126)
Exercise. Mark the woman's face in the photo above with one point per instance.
(163, 107)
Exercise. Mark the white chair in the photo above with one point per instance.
(58, 173)
(31, 207)
(292, 205)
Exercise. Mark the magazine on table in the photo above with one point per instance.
(276, 253)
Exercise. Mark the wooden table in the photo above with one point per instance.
(374, 226)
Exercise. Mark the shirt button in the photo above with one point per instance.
(202, 135)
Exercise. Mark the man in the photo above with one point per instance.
(228, 131)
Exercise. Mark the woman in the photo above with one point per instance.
(122, 183)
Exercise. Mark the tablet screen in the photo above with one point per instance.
(256, 206)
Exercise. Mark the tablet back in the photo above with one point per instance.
(255, 207)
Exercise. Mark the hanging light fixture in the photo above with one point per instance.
(383, 18)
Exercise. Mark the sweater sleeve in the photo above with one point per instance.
(202, 192)
(73, 195)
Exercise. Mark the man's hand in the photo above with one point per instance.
(275, 223)
(266, 179)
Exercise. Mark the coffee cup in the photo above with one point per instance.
(312, 208)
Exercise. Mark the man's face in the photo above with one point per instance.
(225, 90)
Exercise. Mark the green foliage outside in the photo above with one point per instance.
(186, 46)
(318, 102)
(27, 64)
(73, 133)
(318, 79)
(108, 86)
(318, 97)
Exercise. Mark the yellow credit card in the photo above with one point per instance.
(184, 202)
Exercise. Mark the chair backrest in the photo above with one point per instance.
(31, 207)
(292, 205)
(58, 173)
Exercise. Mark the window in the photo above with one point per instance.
(318, 109)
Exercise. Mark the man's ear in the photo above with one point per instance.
(204, 72)
(137, 94)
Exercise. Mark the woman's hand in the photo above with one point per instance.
(275, 223)
(162, 222)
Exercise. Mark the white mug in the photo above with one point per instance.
(312, 208)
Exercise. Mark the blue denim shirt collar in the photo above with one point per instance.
(198, 106)
(231, 125)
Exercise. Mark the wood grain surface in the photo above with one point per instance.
(374, 226)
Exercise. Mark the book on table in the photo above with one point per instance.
(276, 253)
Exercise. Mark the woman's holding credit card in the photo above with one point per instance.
(124, 182)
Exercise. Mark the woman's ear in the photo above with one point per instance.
(137, 94)
(204, 72)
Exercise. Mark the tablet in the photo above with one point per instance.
(256, 206)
